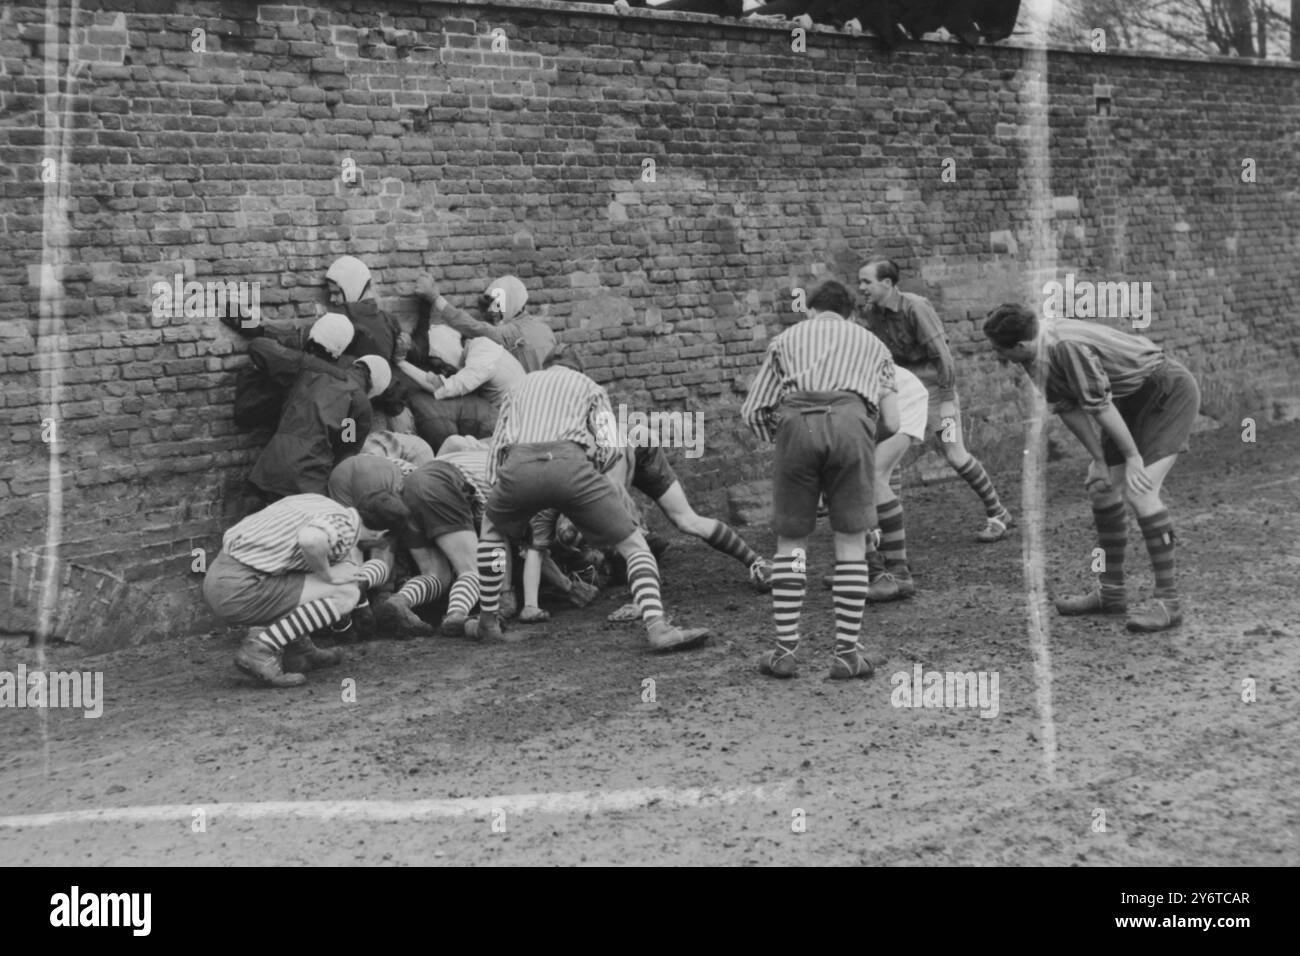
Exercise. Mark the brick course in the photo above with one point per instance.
(771, 168)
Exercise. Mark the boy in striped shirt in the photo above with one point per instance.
(1145, 405)
(287, 571)
(818, 393)
(549, 450)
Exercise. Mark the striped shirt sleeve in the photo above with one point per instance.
(499, 437)
(764, 394)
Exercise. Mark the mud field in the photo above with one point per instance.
(550, 752)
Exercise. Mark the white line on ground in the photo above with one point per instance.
(585, 801)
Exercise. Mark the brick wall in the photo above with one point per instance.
(501, 137)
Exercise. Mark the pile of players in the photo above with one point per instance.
(358, 498)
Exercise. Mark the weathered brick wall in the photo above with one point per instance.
(771, 166)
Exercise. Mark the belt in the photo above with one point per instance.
(820, 403)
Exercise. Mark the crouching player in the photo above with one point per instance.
(1145, 405)
(286, 571)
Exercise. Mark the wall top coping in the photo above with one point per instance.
(778, 26)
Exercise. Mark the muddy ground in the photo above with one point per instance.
(546, 752)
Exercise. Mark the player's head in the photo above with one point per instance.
(831, 296)
(330, 335)
(564, 356)
(379, 374)
(1013, 330)
(504, 299)
(877, 280)
(381, 512)
(447, 346)
(348, 280)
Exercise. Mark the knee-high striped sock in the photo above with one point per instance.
(1158, 532)
(975, 475)
(491, 569)
(643, 579)
(893, 539)
(301, 620)
(789, 584)
(723, 538)
(424, 589)
(851, 581)
(374, 572)
(464, 593)
(1112, 535)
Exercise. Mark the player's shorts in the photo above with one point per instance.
(913, 404)
(246, 596)
(825, 444)
(652, 476)
(437, 419)
(440, 500)
(357, 476)
(1159, 415)
(557, 475)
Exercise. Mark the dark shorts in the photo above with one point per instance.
(558, 475)
(441, 502)
(825, 444)
(436, 420)
(653, 476)
(1159, 415)
(242, 595)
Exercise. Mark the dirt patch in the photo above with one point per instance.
(551, 751)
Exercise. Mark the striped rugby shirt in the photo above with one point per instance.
(472, 464)
(1089, 364)
(914, 335)
(826, 353)
(268, 540)
(554, 405)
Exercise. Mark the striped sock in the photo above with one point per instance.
(893, 539)
(1112, 535)
(491, 569)
(643, 579)
(301, 620)
(374, 572)
(1158, 532)
(851, 581)
(788, 588)
(723, 538)
(464, 594)
(978, 479)
(422, 590)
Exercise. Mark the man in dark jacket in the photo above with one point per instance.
(326, 417)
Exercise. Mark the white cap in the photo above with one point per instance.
(351, 275)
(333, 332)
(381, 373)
(445, 344)
(514, 296)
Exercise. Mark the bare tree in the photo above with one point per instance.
(1247, 28)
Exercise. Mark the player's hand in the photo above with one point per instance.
(426, 289)
(344, 573)
(1139, 482)
(1098, 480)
(435, 381)
(403, 344)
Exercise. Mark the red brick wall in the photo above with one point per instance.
(771, 165)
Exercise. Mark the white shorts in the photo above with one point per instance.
(913, 404)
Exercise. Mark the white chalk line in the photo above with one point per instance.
(395, 811)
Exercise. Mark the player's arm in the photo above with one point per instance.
(314, 542)
(498, 442)
(929, 332)
(890, 418)
(458, 319)
(764, 392)
(1089, 388)
(427, 381)
(601, 425)
(479, 361)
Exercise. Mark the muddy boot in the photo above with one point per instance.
(302, 655)
(260, 662)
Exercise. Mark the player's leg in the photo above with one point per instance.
(1110, 595)
(461, 548)
(715, 533)
(892, 552)
(948, 432)
(1158, 535)
(849, 479)
(532, 610)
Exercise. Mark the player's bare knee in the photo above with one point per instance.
(345, 597)
(1105, 498)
